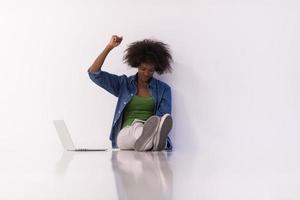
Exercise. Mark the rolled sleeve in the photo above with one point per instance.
(110, 82)
(94, 73)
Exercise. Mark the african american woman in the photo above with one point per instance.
(142, 118)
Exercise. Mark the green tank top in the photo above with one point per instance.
(139, 107)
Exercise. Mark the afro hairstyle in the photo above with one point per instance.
(151, 52)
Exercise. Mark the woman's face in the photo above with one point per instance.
(145, 71)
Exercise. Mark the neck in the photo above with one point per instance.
(143, 83)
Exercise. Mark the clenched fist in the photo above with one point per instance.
(115, 41)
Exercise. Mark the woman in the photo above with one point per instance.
(142, 119)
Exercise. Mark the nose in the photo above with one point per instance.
(147, 74)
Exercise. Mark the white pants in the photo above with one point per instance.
(129, 134)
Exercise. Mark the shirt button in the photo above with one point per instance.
(131, 94)
(124, 102)
(119, 111)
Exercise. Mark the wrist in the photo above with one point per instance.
(109, 47)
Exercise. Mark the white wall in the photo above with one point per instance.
(235, 80)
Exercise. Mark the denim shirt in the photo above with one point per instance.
(124, 88)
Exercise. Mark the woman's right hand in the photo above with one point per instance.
(115, 41)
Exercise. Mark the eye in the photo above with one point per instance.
(143, 69)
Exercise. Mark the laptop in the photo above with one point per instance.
(66, 139)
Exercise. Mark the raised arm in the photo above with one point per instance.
(114, 41)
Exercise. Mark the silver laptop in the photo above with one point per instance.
(66, 139)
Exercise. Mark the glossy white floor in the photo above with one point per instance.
(115, 174)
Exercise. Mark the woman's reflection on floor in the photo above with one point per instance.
(142, 175)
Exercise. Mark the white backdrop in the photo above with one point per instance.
(235, 82)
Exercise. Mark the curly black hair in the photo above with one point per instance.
(151, 52)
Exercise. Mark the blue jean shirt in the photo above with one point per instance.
(124, 88)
